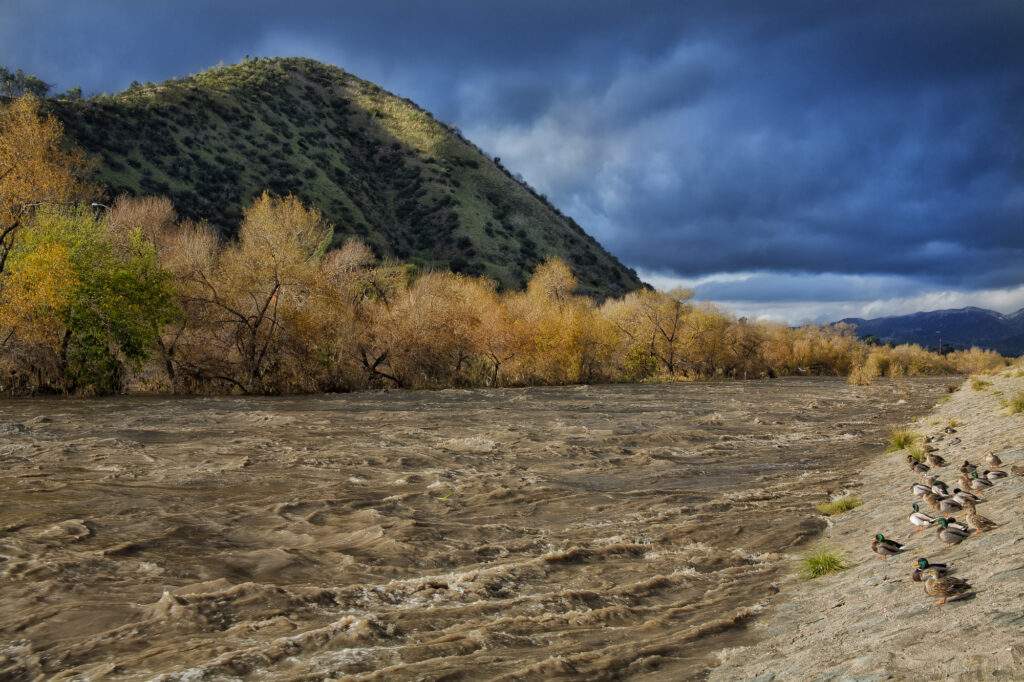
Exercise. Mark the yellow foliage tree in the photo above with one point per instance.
(36, 167)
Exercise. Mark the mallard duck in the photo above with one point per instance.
(950, 534)
(935, 460)
(938, 569)
(955, 441)
(949, 505)
(940, 488)
(933, 500)
(975, 483)
(916, 466)
(994, 474)
(993, 460)
(957, 525)
(920, 519)
(1017, 469)
(884, 547)
(920, 489)
(968, 468)
(949, 429)
(945, 587)
(962, 496)
(982, 524)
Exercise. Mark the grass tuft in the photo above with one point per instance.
(840, 505)
(901, 439)
(917, 452)
(821, 562)
(1016, 404)
(980, 384)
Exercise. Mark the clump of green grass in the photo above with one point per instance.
(1016, 404)
(840, 505)
(821, 561)
(980, 384)
(952, 423)
(901, 439)
(917, 452)
(943, 399)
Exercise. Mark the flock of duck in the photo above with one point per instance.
(964, 496)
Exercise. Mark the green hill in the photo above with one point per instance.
(378, 166)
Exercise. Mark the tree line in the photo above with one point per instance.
(98, 300)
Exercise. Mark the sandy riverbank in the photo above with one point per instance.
(872, 622)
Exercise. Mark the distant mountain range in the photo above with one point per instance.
(954, 328)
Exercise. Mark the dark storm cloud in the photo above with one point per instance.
(818, 141)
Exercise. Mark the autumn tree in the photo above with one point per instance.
(36, 168)
(80, 307)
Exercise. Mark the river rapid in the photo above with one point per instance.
(595, 532)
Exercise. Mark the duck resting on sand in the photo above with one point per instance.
(950, 534)
(926, 566)
(916, 466)
(993, 460)
(962, 495)
(994, 474)
(935, 460)
(920, 519)
(968, 468)
(1017, 469)
(884, 547)
(944, 588)
(981, 523)
(920, 489)
(933, 500)
(949, 505)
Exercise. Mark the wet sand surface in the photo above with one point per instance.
(585, 532)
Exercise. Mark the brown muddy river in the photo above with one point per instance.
(606, 532)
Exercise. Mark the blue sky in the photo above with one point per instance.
(795, 160)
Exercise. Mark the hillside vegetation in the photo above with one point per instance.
(98, 299)
(376, 166)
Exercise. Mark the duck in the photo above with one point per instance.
(916, 466)
(935, 460)
(949, 429)
(920, 489)
(949, 534)
(957, 525)
(962, 495)
(968, 468)
(944, 588)
(974, 483)
(920, 519)
(982, 524)
(949, 505)
(884, 547)
(993, 460)
(933, 500)
(1017, 469)
(994, 474)
(938, 569)
(940, 488)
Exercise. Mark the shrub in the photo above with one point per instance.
(820, 562)
(1016, 404)
(900, 440)
(980, 384)
(840, 505)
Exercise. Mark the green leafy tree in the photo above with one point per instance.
(101, 318)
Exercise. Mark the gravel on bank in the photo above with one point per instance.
(872, 621)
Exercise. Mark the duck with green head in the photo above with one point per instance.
(884, 547)
(950, 534)
(925, 566)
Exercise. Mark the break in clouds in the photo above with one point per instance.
(817, 162)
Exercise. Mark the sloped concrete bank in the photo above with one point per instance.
(872, 621)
